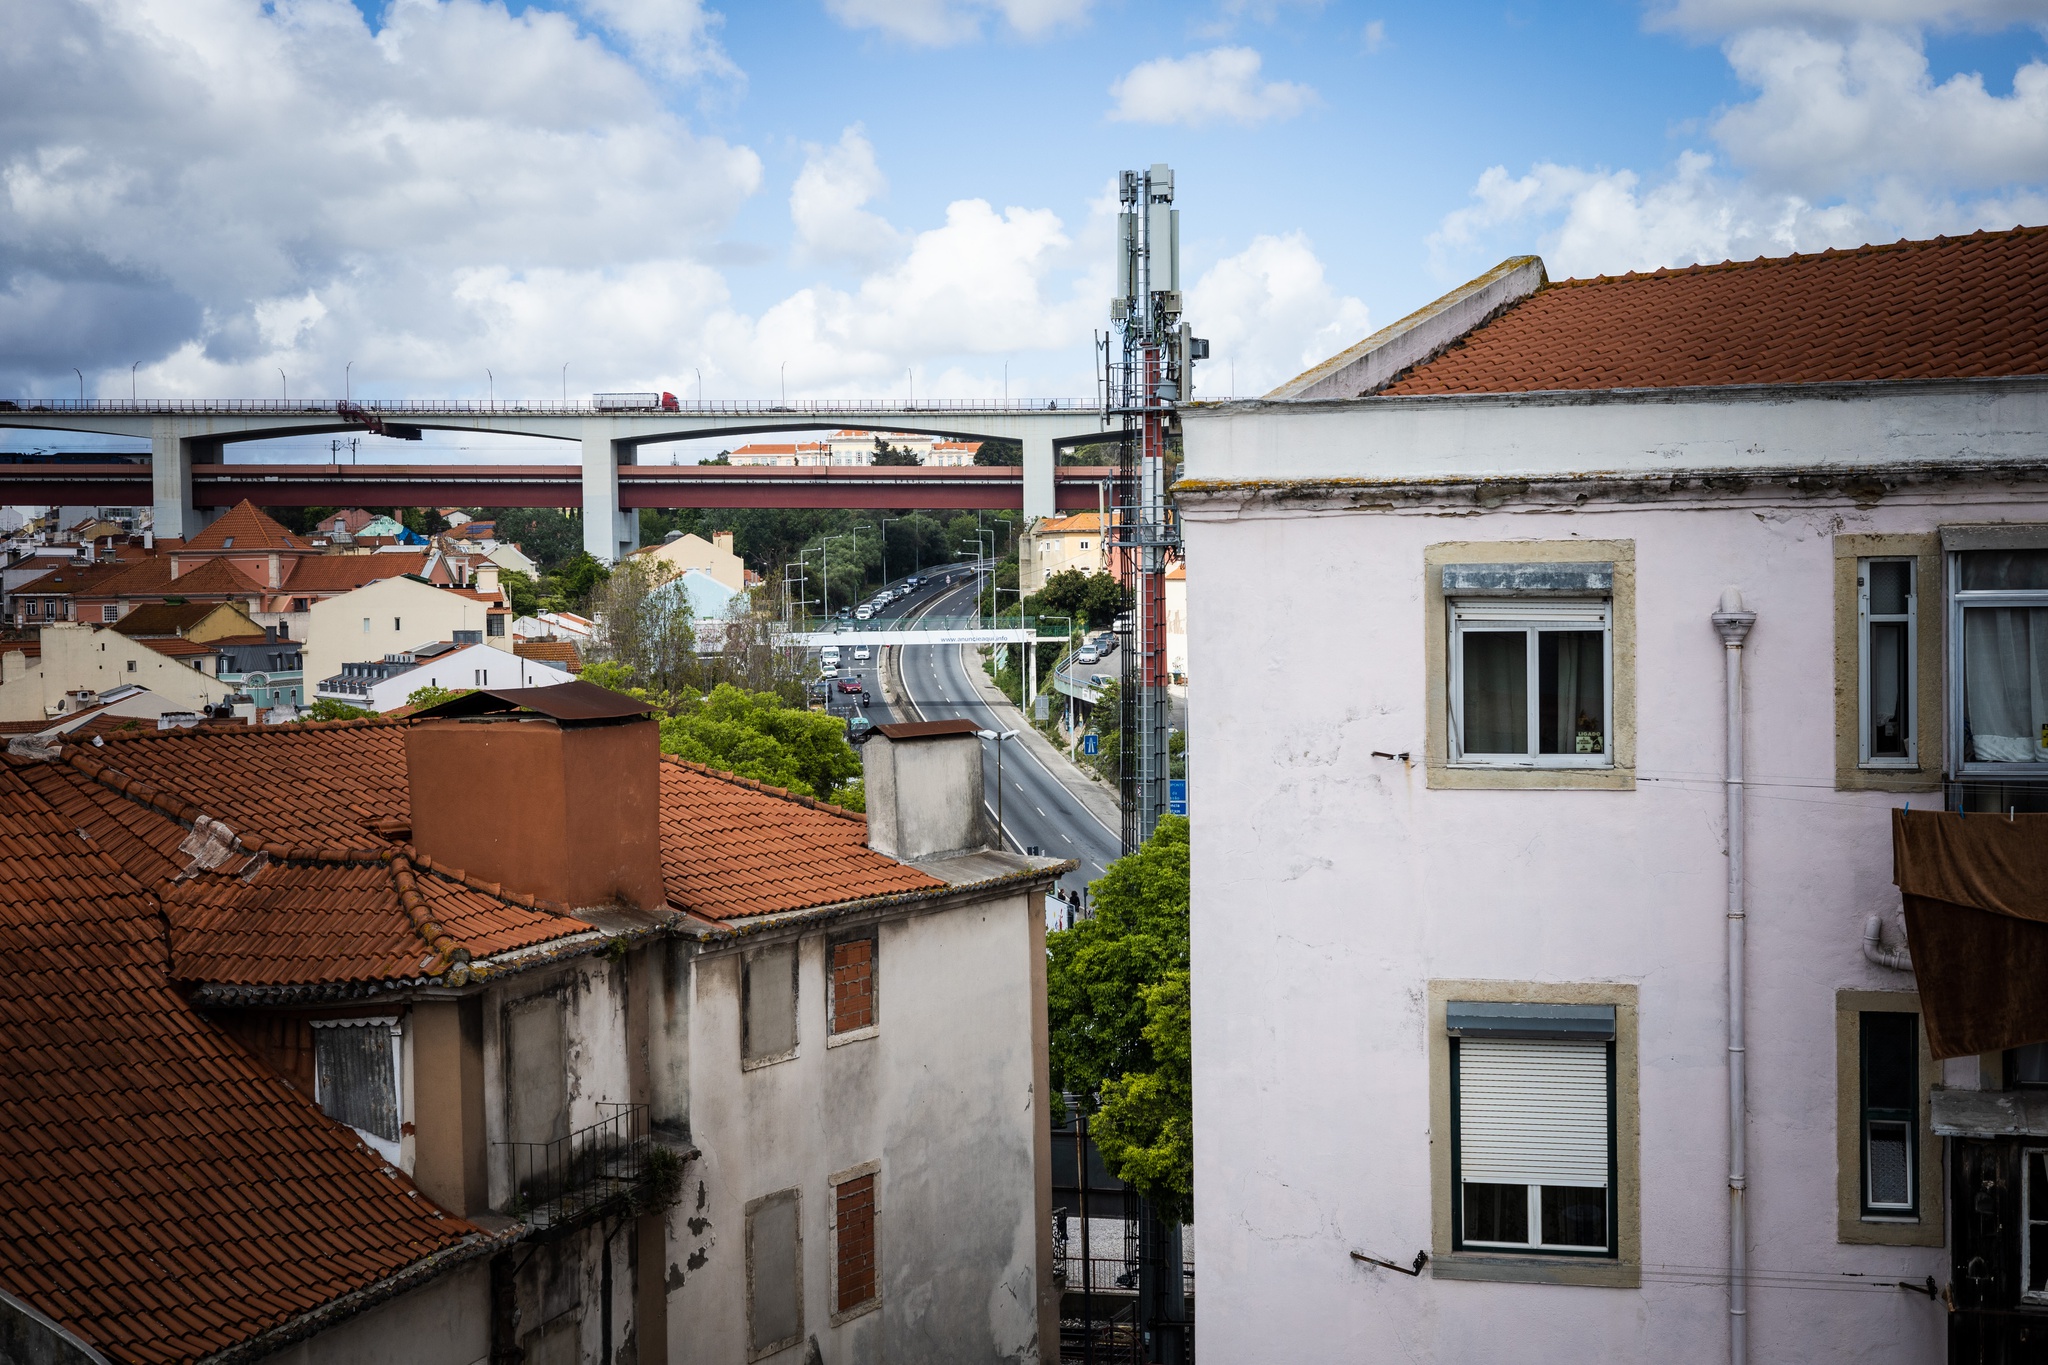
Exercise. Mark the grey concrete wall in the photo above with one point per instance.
(446, 1321)
(924, 796)
(27, 1337)
(944, 1095)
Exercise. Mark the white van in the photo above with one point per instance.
(861, 654)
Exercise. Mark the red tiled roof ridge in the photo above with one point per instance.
(1794, 258)
(753, 784)
(289, 727)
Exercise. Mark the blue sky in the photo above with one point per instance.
(229, 194)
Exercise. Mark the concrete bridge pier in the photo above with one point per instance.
(173, 450)
(1039, 462)
(610, 532)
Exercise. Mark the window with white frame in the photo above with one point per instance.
(1532, 1128)
(356, 1077)
(2034, 1232)
(1531, 682)
(1998, 664)
(1887, 600)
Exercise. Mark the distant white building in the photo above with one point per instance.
(855, 448)
(384, 684)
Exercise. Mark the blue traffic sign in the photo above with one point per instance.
(1177, 796)
(1091, 745)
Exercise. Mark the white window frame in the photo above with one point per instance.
(2027, 1155)
(384, 1147)
(1864, 678)
(1535, 1191)
(1489, 614)
(1958, 602)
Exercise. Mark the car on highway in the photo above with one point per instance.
(851, 685)
(913, 582)
(1094, 680)
(861, 654)
(1105, 646)
(857, 726)
(829, 654)
(1088, 656)
(863, 613)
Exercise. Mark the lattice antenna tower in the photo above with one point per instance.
(1148, 370)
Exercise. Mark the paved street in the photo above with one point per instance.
(1038, 811)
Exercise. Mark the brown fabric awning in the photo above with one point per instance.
(1976, 892)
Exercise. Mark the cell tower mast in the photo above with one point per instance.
(1148, 370)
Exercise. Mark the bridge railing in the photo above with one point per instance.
(575, 407)
(1051, 629)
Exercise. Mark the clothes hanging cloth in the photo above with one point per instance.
(1976, 893)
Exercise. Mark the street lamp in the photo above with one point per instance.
(1002, 840)
(346, 390)
(81, 382)
(131, 381)
(284, 384)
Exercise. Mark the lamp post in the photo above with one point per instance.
(346, 390)
(284, 384)
(1002, 840)
(81, 382)
(131, 381)
(565, 382)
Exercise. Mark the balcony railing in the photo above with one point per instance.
(604, 1168)
(1988, 796)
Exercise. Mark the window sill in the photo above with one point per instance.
(854, 1035)
(1482, 777)
(1889, 1232)
(757, 1063)
(841, 1319)
(1583, 1272)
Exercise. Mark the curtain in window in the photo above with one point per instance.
(1573, 692)
(1496, 677)
(2005, 683)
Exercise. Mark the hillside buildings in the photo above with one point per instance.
(855, 448)
(1050, 545)
(494, 1034)
(1663, 598)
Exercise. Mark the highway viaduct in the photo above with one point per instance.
(189, 481)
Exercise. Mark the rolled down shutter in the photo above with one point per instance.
(1532, 1113)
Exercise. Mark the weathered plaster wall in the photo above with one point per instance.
(1334, 885)
(444, 1322)
(942, 1095)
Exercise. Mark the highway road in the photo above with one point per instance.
(1037, 810)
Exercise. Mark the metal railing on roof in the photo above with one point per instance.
(591, 1172)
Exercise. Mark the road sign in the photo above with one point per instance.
(1177, 796)
(1091, 745)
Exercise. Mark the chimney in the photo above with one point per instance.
(924, 790)
(486, 577)
(276, 576)
(575, 814)
(723, 540)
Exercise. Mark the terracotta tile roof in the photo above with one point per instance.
(152, 578)
(165, 618)
(732, 848)
(344, 573)
(167, 1195)
(72, 579)
(561, 652)
(248, 528)
(1954, 307)
(175, 648)
(1078, 521)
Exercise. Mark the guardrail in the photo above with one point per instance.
(1051, 629)
(589, 1172)
(575, 407)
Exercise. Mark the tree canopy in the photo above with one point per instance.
(1117, 991)
(755, 735)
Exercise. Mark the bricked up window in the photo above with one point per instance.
(853, 985)
(854, 1279)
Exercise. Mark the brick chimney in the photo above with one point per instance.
(559, 803)
(924, 790)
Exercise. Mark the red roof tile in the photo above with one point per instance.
(561, 652)
(344, 573)
(248, 529)
(72, 579)
(152, 578)
(731, 848)
(1954, 307)
(166, 1195)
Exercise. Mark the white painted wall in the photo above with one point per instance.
(1334, 884)
(943, 1096)
(76, 656)
(403, 613)
(470, 666)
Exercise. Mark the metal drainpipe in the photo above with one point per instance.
(1733, 623)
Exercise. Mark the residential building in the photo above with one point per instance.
(952, 454)
(75, 664)
(393, 616)
(265, 668)
(854, 448)
(384, 684)
(783, 454)
(1052, 544)
(1177, 624)
(1658, 599)
(53, 594)
(546, 649)
(561, 1104)
(714, 557)
(204, 622)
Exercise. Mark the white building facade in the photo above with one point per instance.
(1481, 1027)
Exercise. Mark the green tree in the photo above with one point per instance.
(329, 709)
(579, 577)
(546, 536)
(1117, 996)
(430, 695)
(892, 455)
(757, 735)
(999, 452)
(520, 593)
(644, 623)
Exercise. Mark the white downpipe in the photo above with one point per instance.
(1733, 623)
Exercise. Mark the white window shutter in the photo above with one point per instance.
(1532, 1113)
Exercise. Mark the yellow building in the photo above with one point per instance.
(691, 551)
(1055, 543)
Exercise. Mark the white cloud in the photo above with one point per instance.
(940, 23)
(671, 36)
(826, 202)
(1830, 113)
(1269, 314)
(1847, 140)
(1220, 85)
(1728, 16)
(1375, 35)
